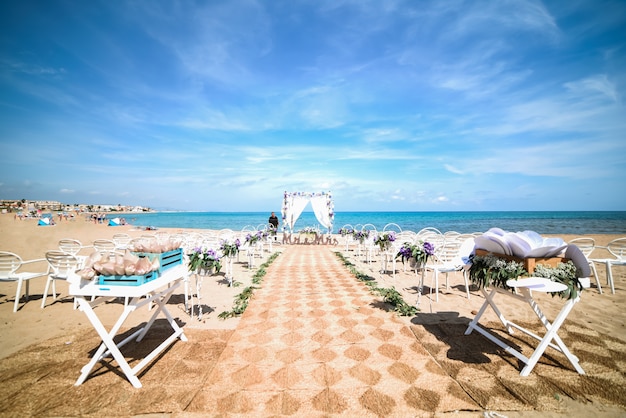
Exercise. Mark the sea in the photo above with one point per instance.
(543, 222)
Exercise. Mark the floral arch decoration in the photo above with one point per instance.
(295, 202)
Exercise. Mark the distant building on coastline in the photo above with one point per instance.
(54, 206)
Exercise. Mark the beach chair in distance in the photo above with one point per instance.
(62, 265)
(368, 243)
(104, 246)
(392, 227)
(617, 248)
(10, 263)
(72, 246)
(586, 245)
(122, 241)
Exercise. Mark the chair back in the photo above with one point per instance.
(70, 246)
(368, 227)
(9, 264)
(121, 240)
(405, 236)
(449, 252)
(433, 236)
(248, 228)
(392, 227)
(585, 245)
(104, 245)
(62, 264)
(429, 230)
(617, 247)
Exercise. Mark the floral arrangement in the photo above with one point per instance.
(385, 239)
(204, 258)
(256, 237)
(419, 252)
(230, 249)
(489, 270)
(361, 235)
(563, 273)
(308, 230)
(346, 231)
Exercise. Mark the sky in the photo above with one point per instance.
(389, 105)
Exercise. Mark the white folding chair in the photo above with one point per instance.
(62, 266)
(446, 260)
(10, 263)
(73, 246)
(121, 240)
(617, 248)
(104, 245)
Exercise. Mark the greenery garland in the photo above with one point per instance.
(390, 295)
(241, 300)
(489, 270)
(563, 273)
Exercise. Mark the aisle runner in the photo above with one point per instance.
(313, 342)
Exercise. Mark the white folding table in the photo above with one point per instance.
(526, 287)
(158, 291)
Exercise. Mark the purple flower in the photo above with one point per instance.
(429, 248)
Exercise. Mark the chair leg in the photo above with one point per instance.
(45, 292)
(466, 284)
(17, 295)
(436, 280)
(595, 275)
(609, 276)
(186, 283)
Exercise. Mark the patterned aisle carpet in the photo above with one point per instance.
(313, 342)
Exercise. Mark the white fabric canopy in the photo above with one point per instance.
(294, 204)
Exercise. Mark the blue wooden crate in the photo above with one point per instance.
(127, 280)
(167, 259)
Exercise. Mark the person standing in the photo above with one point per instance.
(273, 220)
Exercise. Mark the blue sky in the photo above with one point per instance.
(390, 105)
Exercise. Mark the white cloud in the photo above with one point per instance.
(593, 85)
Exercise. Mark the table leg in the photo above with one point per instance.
(160, 298)
(107, 342)
(489, 301)
(551, 334)
(544, 342)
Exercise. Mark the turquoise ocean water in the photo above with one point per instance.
(588, 222)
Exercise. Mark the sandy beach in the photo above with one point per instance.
(32, 325)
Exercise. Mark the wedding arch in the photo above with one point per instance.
(295, 202)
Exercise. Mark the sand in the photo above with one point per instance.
(32, 325)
